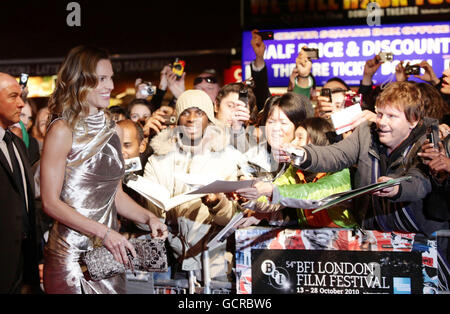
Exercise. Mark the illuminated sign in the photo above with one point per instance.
(343, 51)
(40, 86)
(304, 13)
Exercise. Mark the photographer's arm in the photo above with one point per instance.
(302, 81)
(429, 75)
(161, 90)
(176, 86)
(370, 68)
(259, 71)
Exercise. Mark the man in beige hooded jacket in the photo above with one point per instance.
(198, 146)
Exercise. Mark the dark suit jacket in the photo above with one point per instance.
(11, 223)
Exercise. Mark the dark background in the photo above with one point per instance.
(35, 29)
(201, 32)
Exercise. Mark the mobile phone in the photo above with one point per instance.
(23, 80)
(433, 135)
(413, 69)
(326, 92)
(312, 53)
(386, 56)
(178, 67)
(243, 95)
(266, 35)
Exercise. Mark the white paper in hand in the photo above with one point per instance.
(343, 119)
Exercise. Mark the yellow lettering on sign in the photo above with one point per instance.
(351, 4)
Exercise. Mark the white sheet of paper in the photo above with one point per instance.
(343, 119)
(195, 179)
(220, 186)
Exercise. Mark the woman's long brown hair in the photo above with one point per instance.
(76, 78)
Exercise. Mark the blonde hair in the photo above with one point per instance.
(405, 96)
(76, 78)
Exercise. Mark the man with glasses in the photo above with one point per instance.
(327, 105)
(207, 81)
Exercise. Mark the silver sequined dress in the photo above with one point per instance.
(93, 171)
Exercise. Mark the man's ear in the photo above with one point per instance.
(143, 145)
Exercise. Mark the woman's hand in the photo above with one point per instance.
(159, 230)
(118, 245)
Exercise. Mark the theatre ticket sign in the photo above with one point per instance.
(334, 261)
(344, 50)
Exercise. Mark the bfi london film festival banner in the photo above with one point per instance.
(343, 51)
(336, 272)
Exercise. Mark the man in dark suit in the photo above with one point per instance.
(19, 247)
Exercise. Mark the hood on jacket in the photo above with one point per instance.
(215, 139)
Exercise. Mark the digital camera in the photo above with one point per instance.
(148, 90)
(178, 67)
(412, 69)
(386, 56)
(23, 80)
(312, 53)
(352, 98)
(169, 119)
(243, 92)
(266, 35)
(326, 92)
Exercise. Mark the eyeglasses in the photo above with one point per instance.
(208, 79)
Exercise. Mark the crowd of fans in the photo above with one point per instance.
(214, 133)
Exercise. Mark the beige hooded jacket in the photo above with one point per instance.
(193, 224)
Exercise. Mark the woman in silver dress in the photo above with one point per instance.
(81, 172)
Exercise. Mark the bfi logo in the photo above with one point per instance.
(278, 276)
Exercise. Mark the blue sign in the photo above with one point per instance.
(343, 51)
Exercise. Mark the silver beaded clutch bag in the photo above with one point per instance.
(151, 256)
